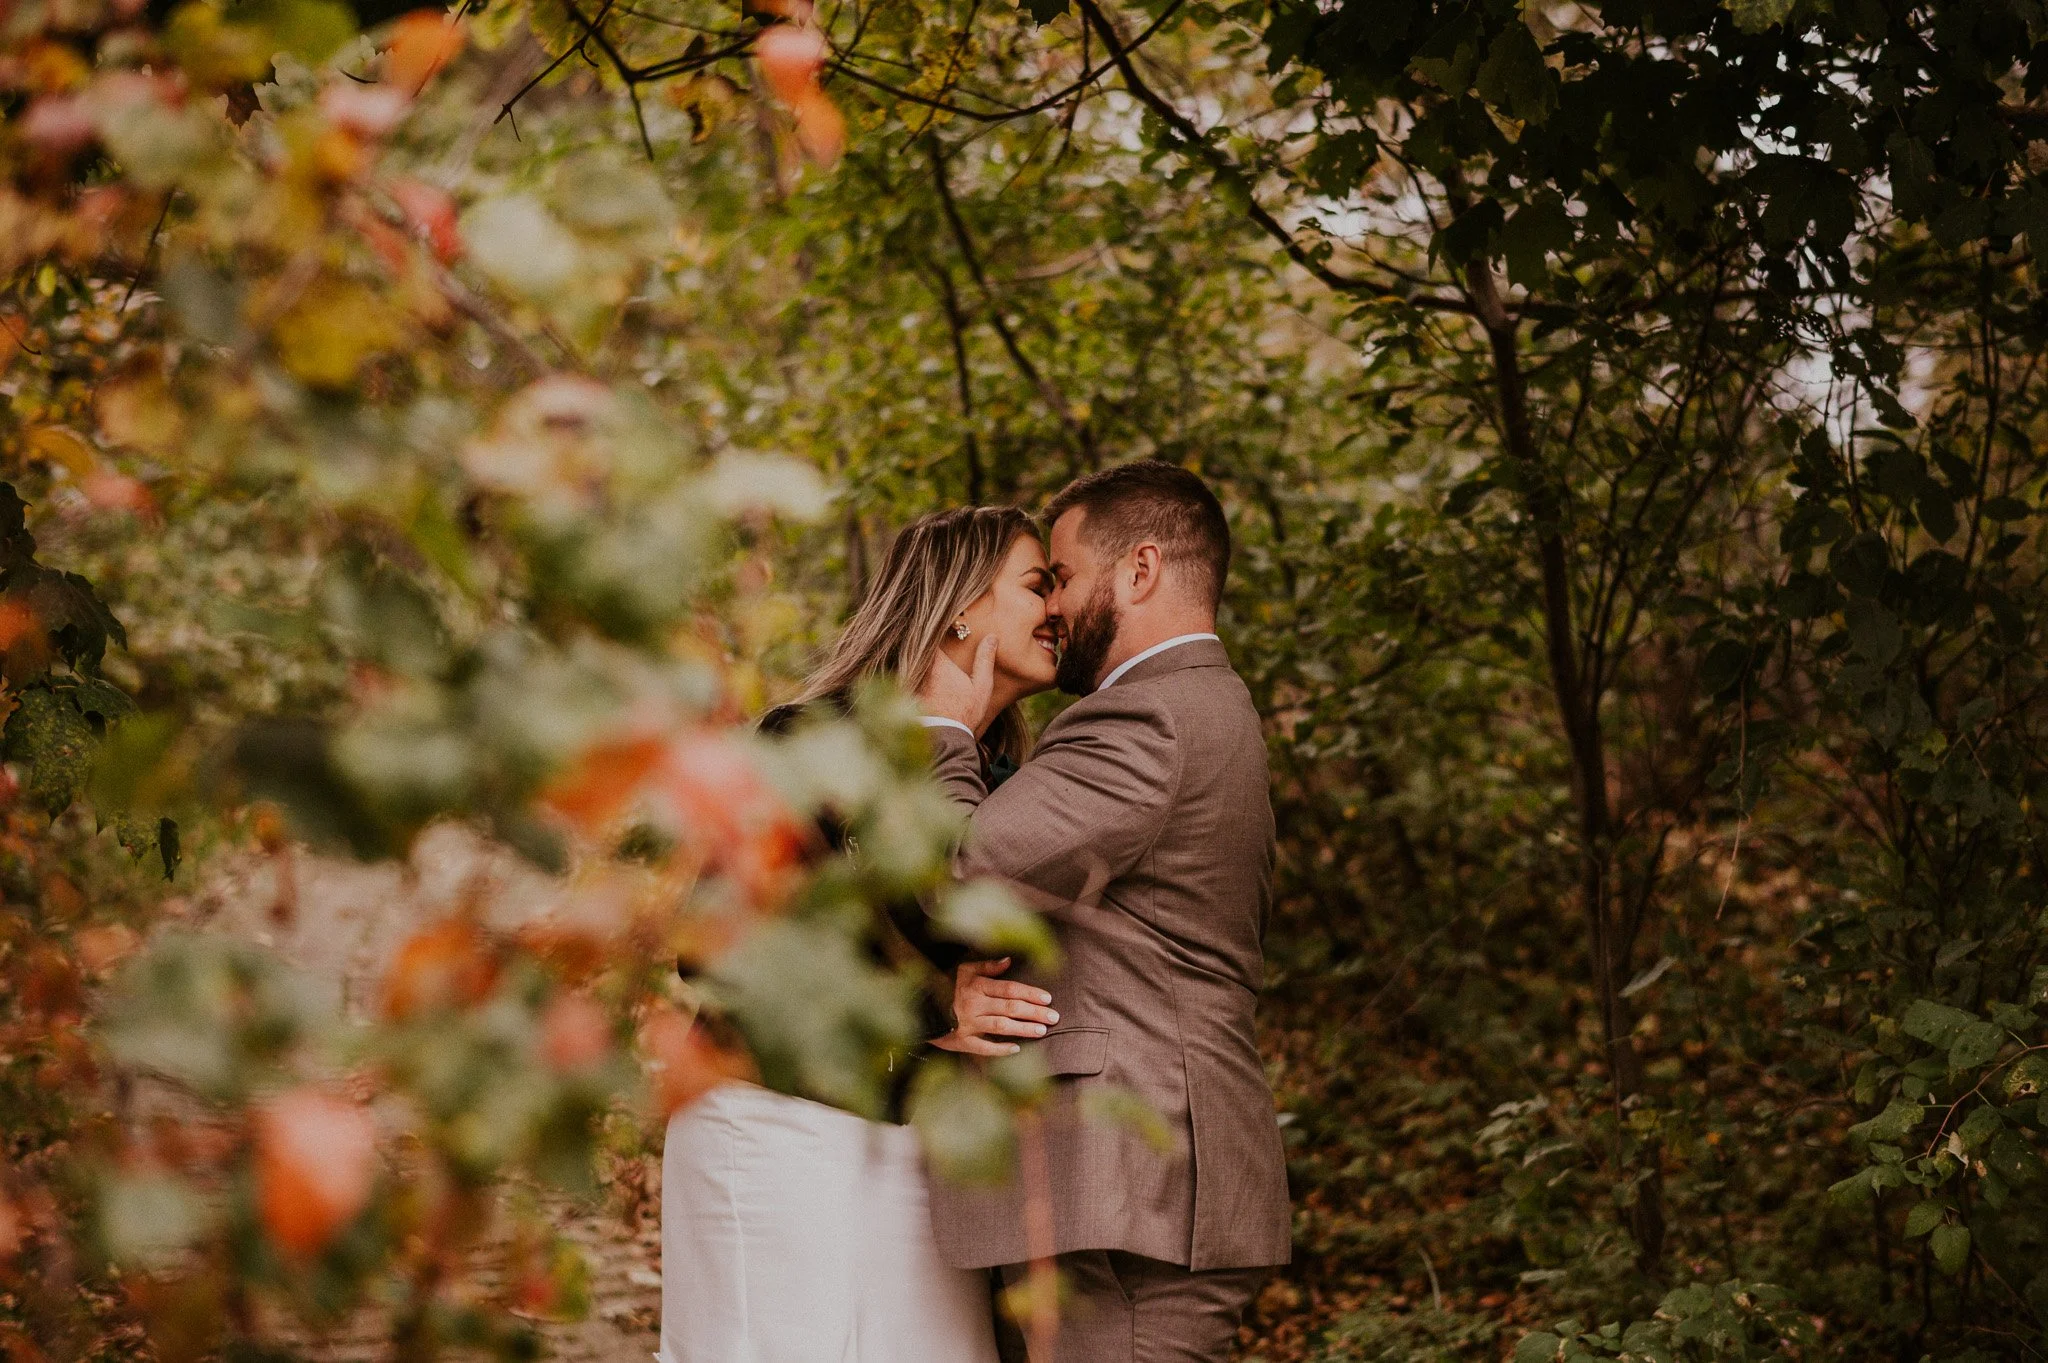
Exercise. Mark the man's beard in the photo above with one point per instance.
(1090, 636)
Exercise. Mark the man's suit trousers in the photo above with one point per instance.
(1125, 1308)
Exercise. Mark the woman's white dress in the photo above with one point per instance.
(792, 1232)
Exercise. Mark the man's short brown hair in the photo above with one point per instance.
(1150, 499)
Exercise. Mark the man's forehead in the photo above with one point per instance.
(1065, 540)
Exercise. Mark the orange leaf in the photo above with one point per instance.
(118, 492)
(790, 58)
(106, 945)
(50, 986)
(430, 212)
(421, 44)
(449, 965)
(603, 781)
(714, 795)
(572, 954)
(49, 65)
(387, 241)
(684, 1063)
(316, 1161)
(820, 128)
(575, 1035)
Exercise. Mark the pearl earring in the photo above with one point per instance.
(960, 630)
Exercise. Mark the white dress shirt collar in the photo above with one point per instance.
(1131, 662)
(937, 722)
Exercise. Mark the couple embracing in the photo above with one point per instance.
(1140, 826)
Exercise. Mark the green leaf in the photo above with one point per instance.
(146, 1218)
(1463, 497)
(1754, 16)
(2012, 1157)
(1448, 57)
(212, 1014)
(1892, 1125)
(1976, 1045)
(963, 1123)
(1539, 1347)
(1513, 78)
(1856, 1188)
(1937, 514)
(1937, 1024)
(1979, 1127)
(128, 769)
(1116, 1106)
(1951, 1246)
(1924, 1217)
(310, 30)
(521, 246)
(987, 917)
(1860, 563)
(820, 1020)
(1874, 636)
(1538, 227)
(54, 743)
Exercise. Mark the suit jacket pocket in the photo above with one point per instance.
(1076, 1051)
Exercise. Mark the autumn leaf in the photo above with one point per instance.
(604, 782)
(449, 965)
(575, 1035)
(820, 128)
(316, 1161)
(790, 57)
(683, 1063)
(430, 212)
(422, 43)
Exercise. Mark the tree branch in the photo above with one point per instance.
(1233, 175)
(1008, 113)
(1047, 390)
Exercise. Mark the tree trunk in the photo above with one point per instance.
(1578, 706)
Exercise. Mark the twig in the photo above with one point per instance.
(470, 306)
(1047, 390)
(505, 110)
(1990, 1074)
(1089, 75)
(1436, 1291)
(1734, 866)
(20, 338)
(148, 249)
(1227, 170)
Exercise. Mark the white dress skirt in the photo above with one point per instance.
(792, 1232)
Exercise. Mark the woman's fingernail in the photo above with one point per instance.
(1013, 1050)
(1055, 1016)
(1038, 1029)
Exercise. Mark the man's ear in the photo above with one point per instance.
(1145, 569)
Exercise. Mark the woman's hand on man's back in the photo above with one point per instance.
(987, 1009)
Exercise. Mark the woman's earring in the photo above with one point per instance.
(960, 630)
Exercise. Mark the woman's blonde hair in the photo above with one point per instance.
(940, 565)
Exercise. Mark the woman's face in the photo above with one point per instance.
(1013, 610)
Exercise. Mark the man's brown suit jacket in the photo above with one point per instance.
(1141, 826)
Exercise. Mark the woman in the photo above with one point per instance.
(793, 1232)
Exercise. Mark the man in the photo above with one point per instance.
(1141, 826)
